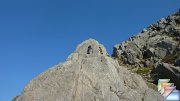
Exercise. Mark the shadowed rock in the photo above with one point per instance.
(167, 71)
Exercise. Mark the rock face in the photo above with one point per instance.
(160, 42)
(165, 70)
(154, 43)
(89, 74)
(177, 61)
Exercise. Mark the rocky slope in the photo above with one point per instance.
(89, 74)
(157, 48)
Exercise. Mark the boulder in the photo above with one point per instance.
(130, 56)
(167, 71)
(177, 61)
(160, 52)
(148, 53)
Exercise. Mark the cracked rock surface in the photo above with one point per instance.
(88, 74)
(157, 44)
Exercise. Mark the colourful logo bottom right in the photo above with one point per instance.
(168, 90)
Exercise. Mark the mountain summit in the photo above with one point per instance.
(88, 74)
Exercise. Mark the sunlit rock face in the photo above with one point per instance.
(152, 44)
(88, 74)
(157, 44)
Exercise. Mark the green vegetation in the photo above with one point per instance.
(145, 71)
(120, 61)
(171, 58)
(138, 70)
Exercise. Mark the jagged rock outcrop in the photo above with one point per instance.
(165, 70)
(152, 44)
(160, 42)
(89, 74)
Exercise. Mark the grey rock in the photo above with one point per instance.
(177, 20)
(130, 58)
(168, 71)
(168, 28)
(148, 53)
(177, 61)
(158, 43)
(147, 63)
(167, 43)
(178, 48)
(160, 52)
(162, 37)
(87, 76)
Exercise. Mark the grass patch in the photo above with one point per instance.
(145, 73)
(171, 58)
(146, 70)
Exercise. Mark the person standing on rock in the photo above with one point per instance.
(90, 50)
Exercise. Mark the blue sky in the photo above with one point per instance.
(38, 34)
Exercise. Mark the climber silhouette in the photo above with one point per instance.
(90, 50)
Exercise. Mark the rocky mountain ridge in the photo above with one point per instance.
(153, 48)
